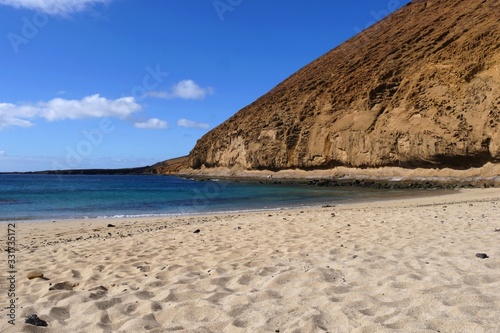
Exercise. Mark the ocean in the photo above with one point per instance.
(29, 197)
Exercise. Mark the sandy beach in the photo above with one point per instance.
(395, 266)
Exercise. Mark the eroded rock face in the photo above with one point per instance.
(420, 88)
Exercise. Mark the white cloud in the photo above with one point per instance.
(93, 106)
(192, 124)
(8, 118)
(153, 123)
(185, 89)
(54, 7)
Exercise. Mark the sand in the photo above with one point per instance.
(396, 266)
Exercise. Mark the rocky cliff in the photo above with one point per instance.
(421, 88)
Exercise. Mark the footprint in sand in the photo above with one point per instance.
(60, 313)
(245, 279)
(76, 274)
(104, 305)
(64, 286)
(98, 292)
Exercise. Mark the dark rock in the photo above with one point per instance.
(111, 225)
(197, 231)
(34, 320)
(482, 255)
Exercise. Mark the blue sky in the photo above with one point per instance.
(127, 83)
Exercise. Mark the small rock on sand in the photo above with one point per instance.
(34, 275)
(197, 231)
(34, 320)
(482, 255)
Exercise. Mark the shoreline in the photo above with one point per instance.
(485, 176)
(410, 193)
(448, 196)
(398, 265)
(382, 177)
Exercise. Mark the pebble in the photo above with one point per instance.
(197, 231)
(482, 255)
(34, 320)
(34, 275)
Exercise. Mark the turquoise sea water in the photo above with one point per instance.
(45, 197)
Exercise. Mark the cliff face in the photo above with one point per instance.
(420, 88)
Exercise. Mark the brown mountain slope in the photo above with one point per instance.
(172, 166)
(420, 88)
